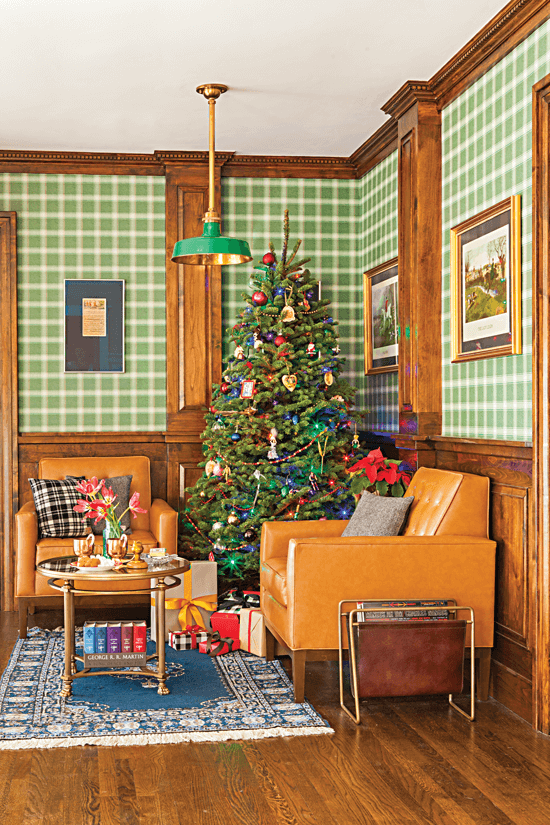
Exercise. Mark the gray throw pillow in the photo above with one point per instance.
(121, 487)
(378, 516)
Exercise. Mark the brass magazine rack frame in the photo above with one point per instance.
(351, 616)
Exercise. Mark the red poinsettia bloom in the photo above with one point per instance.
(89, 487)
(133, 505)
(369, 465)
(388, 473)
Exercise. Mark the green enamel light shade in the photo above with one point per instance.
(211, 249)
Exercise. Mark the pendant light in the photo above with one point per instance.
(212, 248)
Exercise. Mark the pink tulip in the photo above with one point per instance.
(134, 507)
(82, 506)
(108, 495)
(89, 487)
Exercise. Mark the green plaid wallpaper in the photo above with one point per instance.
(378, 242)
(89, 226)
(486, 136)
(322, 213)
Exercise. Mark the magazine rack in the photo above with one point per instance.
(393, 657)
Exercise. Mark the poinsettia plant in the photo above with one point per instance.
(100, 503)
(378, 474)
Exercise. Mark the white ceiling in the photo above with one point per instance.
(306, 77)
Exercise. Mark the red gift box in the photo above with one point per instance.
(217, 646)
(227, 622)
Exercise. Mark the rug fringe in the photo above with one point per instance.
(162, 739)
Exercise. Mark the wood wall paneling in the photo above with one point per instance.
(541, 379)
(419, 221)
(8, 366)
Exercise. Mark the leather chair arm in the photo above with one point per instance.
(163, 521)
(415, 567)
(276, 535)
(26, 537)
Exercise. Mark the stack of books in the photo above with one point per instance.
(115, 643)
(397, 610)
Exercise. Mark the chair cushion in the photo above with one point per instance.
(378, 516)
(55, 501)
(274, 578)
(121, 487)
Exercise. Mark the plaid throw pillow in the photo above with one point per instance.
(54, 501)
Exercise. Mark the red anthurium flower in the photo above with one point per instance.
(134, 507)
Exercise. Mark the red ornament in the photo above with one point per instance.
(268, 259)
(280, 339)
(249, 365)
(224, 387)
(259, 298)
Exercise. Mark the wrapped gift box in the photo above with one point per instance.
(215, 649)
(186, 640)
(236, 598)
(192, 601)
(227, 622)
(244, 624)
(252, 631)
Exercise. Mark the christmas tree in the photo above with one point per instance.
(277, 439)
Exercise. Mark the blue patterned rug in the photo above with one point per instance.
(235, 696)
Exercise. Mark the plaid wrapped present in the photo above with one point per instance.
(187, 639)
(217, 645)
(242, 598)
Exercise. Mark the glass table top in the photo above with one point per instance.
(64, 567)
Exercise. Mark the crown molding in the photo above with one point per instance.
(374, 150)
(285, 166)
(516, 21)
(411, 92)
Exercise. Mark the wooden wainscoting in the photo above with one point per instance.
(509, 466)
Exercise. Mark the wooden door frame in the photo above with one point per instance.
(9, 401)
(541, 400)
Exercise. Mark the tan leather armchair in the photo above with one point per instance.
(307, 568)
(158, 527)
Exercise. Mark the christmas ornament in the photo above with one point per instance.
(219, 547)
(273, 432)
(279, 290)
(310, 295)
(306, 305)
(248, 389)
(310, 349)
(272, 453)
(209, 467)
(269, 336)
(355, 439)
(336, 349)
(290, 382)
(268, 259)
(232, 518)
(235, 437)
(257, 341)
(279, 340)
(250, 534)
(217, 470)
(259, 298)
(224, 387)
(288, 314)
(239, 353)
(338, 398)
(329, 379)
(217, 525)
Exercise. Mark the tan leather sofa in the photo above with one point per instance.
(157, 527)
(307, 568)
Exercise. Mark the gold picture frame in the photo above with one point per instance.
(380, 297)
(486, 283)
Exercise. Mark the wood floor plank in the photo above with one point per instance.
(126, 792)
(242, 792)
(200, 796)
(108, 792)
(459, 797)
(498, 772)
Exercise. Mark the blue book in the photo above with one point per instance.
(89, 637)
(101, 637)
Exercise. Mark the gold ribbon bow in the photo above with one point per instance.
(189, 612)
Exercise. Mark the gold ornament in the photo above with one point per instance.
(232, 518)
(288, 314)
(290, 382)
(329, 379)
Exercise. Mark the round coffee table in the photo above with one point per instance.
(62, 575)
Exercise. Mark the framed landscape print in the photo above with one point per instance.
(486, 283)
(380, 291)
(94, 325)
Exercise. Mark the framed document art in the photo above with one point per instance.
(486, 283)
(94, 326)
(380, 294)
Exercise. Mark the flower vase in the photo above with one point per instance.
(110, 532)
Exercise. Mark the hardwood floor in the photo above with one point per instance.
(409, 763)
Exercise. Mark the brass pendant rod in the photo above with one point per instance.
(211, 155)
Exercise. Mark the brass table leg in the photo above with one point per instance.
(68, 621)
(161, 587)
